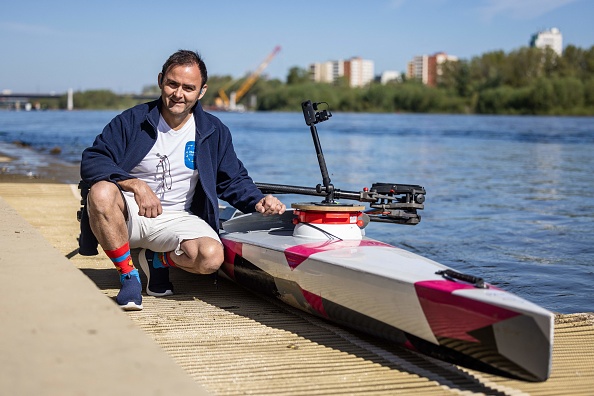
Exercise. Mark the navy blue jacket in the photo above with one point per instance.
(127, 139)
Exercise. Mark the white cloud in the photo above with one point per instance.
(520, 9)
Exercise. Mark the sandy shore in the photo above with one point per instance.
(25, 165)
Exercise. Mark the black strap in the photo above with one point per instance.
(451, 274)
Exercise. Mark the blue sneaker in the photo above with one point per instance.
(130, 298)
(158, 284)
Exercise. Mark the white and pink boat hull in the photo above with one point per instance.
(390, 293)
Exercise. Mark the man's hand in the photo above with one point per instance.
(270, 205)
(148, 203)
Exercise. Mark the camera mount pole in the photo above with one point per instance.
(312, 118)
(391, 202)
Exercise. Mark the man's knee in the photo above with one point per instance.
(211, 257)
(208, 257)
(103, 196)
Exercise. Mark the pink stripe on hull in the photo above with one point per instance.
(453, 316)
(232, 249)
(315, 301)
(297, 254)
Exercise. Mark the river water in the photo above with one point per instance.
(509, 199)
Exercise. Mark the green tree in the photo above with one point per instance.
(378, 98)
(487, 71)
(297, 75)
(572, 63)
(525, 81)
(100, 99)
(523, 67)
(589, 92)
(542, 96)
(151, 90)
(569, 93)
(504, 100)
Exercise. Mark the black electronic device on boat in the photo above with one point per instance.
(388, 202)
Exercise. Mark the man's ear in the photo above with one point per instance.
(160, 80)
(202, 91)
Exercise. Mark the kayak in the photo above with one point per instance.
(316, 257)
(390, 293)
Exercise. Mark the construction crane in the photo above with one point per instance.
(230, 104)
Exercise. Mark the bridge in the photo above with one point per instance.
(23, 100)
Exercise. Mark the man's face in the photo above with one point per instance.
(181, 89)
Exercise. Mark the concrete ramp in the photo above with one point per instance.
(62, 336)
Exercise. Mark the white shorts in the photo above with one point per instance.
(165, 232)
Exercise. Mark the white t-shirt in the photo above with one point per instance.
(170, 167)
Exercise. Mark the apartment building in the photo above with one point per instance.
(358, 72)
(428, 68)
(548, 38)
(326, 72)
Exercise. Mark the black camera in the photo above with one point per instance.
(312, 116)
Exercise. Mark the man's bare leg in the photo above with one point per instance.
(107, 215)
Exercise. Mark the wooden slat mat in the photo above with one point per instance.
(234, 342)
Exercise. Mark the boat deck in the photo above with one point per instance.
(226, 339)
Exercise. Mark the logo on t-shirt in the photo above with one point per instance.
(189, 158)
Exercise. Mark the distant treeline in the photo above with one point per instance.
(525, 81)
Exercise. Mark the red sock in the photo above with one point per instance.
(165, 259)
(121, 258)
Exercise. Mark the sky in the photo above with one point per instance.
(121, 45)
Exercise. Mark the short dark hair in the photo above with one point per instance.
(183, 58)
